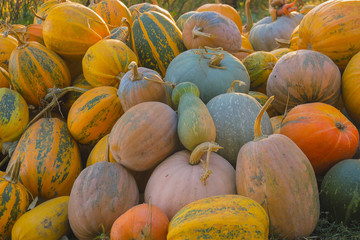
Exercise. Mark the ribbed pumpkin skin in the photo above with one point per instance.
(308, 125)
(191, 66)
(144, 136)
(137, 9)
(107, 61)
(50, 158)
(44, 10)
(305, 76)
(48, 220)
(98, 153)
(70, 29)
(14, 115)
(274, 169)
(234, 115)
(132, 92)
(259, 66)
(33, 69)
(263, 33)
(279, 52)
(220, 217)
(351, 88)
(224, 32)
(224, 9)
(294, 39)
(112, 12)
(140, 221)
(14, 200)
(93, 114)
(183, 18)
(332, 29)
(34, 33)
(4, 78)
(100, 194)
(176, 183)
(7, 45)
(156, 40)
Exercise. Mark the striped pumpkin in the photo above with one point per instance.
(220, 217)
(332, 28)
(93, 114)
(44, 10)
(4, 78)
(156, 41)
(106, 62)
(112, 11)
(7, 45)
(33, 69)
(70, 29)
(14, 115)
(137, 9)
(14, 199)
(50, 158)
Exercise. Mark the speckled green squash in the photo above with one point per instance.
(182, 19)
(156, 40)
(137, 9)
(50, 158)
(14, 115)
(212, 71)
(220, 217)
(195, 125)
(93, 114)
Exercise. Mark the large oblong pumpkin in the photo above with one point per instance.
(309, 125)
(44, 10)
(70, 29)
(144, 136)
(304, 76)
(220, 217)
(50, 158)
(93, 114)
(274, 172)
(332, 28)
(156, 40)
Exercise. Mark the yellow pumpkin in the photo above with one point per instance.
(7, 45)
(279, 52)
(4, 78)
(98, 153)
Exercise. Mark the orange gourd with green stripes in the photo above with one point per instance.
(44, 10)
(50, 158)
(137, 9)
(220, 217)
(33, 69)
(156, 41)
(14, 199)
(93, 114)
(4, 78)
(98, 153)
(14, 115)
(7, 45)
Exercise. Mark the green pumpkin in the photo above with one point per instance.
(234, 115)
(212, 71)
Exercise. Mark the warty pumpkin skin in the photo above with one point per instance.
(220, 217)
(93, 114)
(141, 85)
(308, 125)
(112, 12)
(4, 78)
(156, 40)
(137, 9)
(49, 220)
(332, 28)
(263, 33)
(211, 29)
(178, 181)
(143, 221)
(33, 69)
(14, 115)
(144, 136)
(50, 158)
(304, 76)
(274, 172)
(351, 89)
(7, 45)
(14, 199)
(70, 29)
(101, 193)
(224, 9)
(106, 62)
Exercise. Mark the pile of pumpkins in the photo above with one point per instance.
(119, 122)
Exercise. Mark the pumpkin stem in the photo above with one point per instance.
(196, 154)
(12, 173)
(154, 2)
(283, 43)
(135, 74)
(169, 84)
(257, 127)
(4, 161)
(232, 88)
(340, 126)
(197, 32)
(215, 60)
(119, 28)
(21, 44)
(146, 230)
(269, 66)
(35, 14)
(249, 20)
(217, 1)
(92, 3)
(9, 147)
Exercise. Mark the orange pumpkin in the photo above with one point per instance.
(34, 33)
(7, 45)
(4, 78)
(294, 39)
(44, 10)
(322, 132)
(143, 221)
